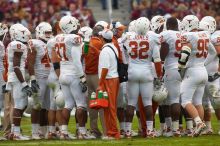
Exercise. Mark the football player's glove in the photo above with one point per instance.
(82, 83)
(4, 89)
(27, 91)
(212, 78)
(157, 83)
(34, 86)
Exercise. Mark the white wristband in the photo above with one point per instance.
(32, 77)
(24, 84)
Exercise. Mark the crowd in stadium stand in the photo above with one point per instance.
(176, 8)
(31, 12)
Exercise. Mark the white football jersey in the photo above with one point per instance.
(142, 49)
(2, 55)
(16, 46)
(173, 39)
(50, 46)
(213, 66)
(69, 49)
(201, 45)
(42, 60)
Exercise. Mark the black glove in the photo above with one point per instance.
(182, 72)
(4, 89)
(34, 86)
(82, 83)
(212, 78)
(27, 91)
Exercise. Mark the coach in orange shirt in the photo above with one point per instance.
(91, 70)
(109, 82)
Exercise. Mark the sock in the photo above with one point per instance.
(82, 130)
(16, 130)
(150, 125)
(122, 125)
(52, 129)
(175, 125)
(35, 128)
(12, 128)
(189, 124)
(181, 126)
(168, 122)
(162, 126)
(128, 126)
(43, 129)
(197, 120)
(64, 129)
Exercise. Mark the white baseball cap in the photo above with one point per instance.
(107, 34)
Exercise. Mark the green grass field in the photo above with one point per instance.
(211, 140)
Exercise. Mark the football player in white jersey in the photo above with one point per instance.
(141, 50)
(157, 26)
(39, 68)
(172, 40)
(17, 54)
(72, 78)
(208, 23)
(3, 31)
(196, 45)
(55, 112)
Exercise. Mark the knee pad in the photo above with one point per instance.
(215, 103)
(81, 108)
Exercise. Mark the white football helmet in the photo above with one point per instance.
(208, 23)
(3, 29)
(59, 98)
(86, 32)
(21, 34)
(157, 22)
(44, 31)
(102, 23)
(68, 24)
(160, 94)
(13, 28)
(142, 25)
(131, 26)
(190, 22)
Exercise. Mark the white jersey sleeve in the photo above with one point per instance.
(50, 46)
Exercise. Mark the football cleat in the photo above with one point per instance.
(133, 133)
(199, 129)
(189, 132)
(52, 136)
(128, 134)
(207, 131)
(151, 134)
(168, 133)
(36, 136)
(107, 138)
(122, 133)
(19, 137)
(177, 133)
(65, 136)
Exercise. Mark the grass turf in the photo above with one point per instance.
(211, 140)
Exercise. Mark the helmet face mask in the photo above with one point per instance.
(44, 31)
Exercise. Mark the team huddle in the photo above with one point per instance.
(173, 66)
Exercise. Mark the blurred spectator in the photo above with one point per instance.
(175, 8)
(31, 12)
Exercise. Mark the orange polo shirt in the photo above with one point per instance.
(92, 58)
